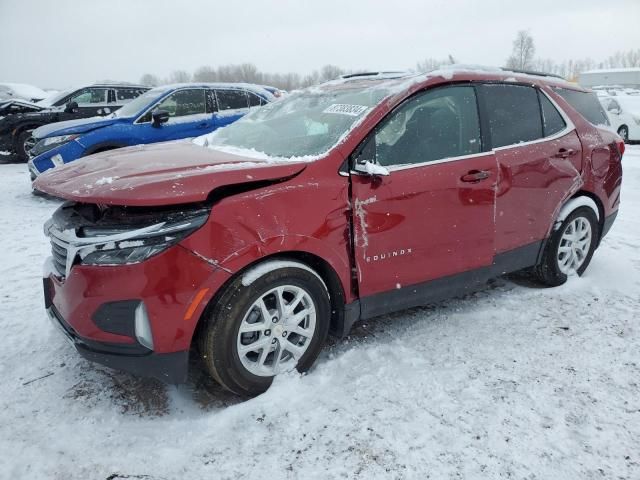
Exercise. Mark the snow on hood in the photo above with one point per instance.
(79, 125)
(159, 174)
(24, 91)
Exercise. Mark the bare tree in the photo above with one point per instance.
(430, 63)
(330, 72)
(205, 74)
(523, 51)
(179, 76)
(149, 80)
(628, 59)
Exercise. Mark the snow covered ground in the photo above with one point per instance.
(511, 382)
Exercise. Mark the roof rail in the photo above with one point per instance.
(532, 72)
(390, 74)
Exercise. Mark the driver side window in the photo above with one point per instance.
(434, 125)
(180, 104)
(90, 96)
(184, 102)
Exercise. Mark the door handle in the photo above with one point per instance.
(565, 153)
(475, 176)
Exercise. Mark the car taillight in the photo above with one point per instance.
(620, 145)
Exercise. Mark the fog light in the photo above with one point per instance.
(143, 329)
(57, 160)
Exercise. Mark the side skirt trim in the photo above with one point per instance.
(452, 286)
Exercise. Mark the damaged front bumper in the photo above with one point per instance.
(167, 367)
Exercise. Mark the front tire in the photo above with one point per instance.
(24, 143)
(276, 323)
(569, 249)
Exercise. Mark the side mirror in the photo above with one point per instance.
(615, 111)
(365, 160)
(159, 117)
(71, 107)
(370, 168)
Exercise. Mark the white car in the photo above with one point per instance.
(624, 115)
(14, 91)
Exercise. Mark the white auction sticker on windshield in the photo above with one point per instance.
(345, 109)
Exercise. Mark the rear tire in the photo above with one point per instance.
(245, 362)
(623, 131)
(569, 249)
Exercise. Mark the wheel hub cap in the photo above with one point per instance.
(574, 245)
(276, 331)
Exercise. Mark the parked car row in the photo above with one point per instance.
(248, 245)
(164, 113)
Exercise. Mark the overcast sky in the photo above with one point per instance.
(59, 43)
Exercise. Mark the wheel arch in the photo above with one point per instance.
(337, 323)
(582, 198)
(18, 129)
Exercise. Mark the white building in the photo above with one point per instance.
(624, 77)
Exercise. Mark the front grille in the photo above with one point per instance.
(59, 251)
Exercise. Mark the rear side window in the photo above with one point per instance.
(231, 99)
(255, 100)
(586, 104)
(514, 114)
(551, 119)
(124, 94)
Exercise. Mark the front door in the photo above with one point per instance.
(90, 100)
(433, 215)
(190, 115)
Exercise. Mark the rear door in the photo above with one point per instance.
(189, 116)
(433, 215)
(232, 104)
(540, 159)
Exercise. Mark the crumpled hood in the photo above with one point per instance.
(69, 127)
(159, 174)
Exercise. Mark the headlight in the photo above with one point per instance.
(119, 237)
(121, 246)
(58, 140)
(636, 119)
(49, 143)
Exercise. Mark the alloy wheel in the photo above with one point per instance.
(276, 331)
(574, 245)
(29, 143)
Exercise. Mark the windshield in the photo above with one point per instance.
(306, 123)
(55, 98)
(138, 104)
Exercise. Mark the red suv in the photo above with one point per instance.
(341, 202)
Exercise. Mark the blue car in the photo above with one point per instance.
(164, 113)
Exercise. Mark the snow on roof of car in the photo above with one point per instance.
(396, 82)
(22, 90)
(245, 86)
